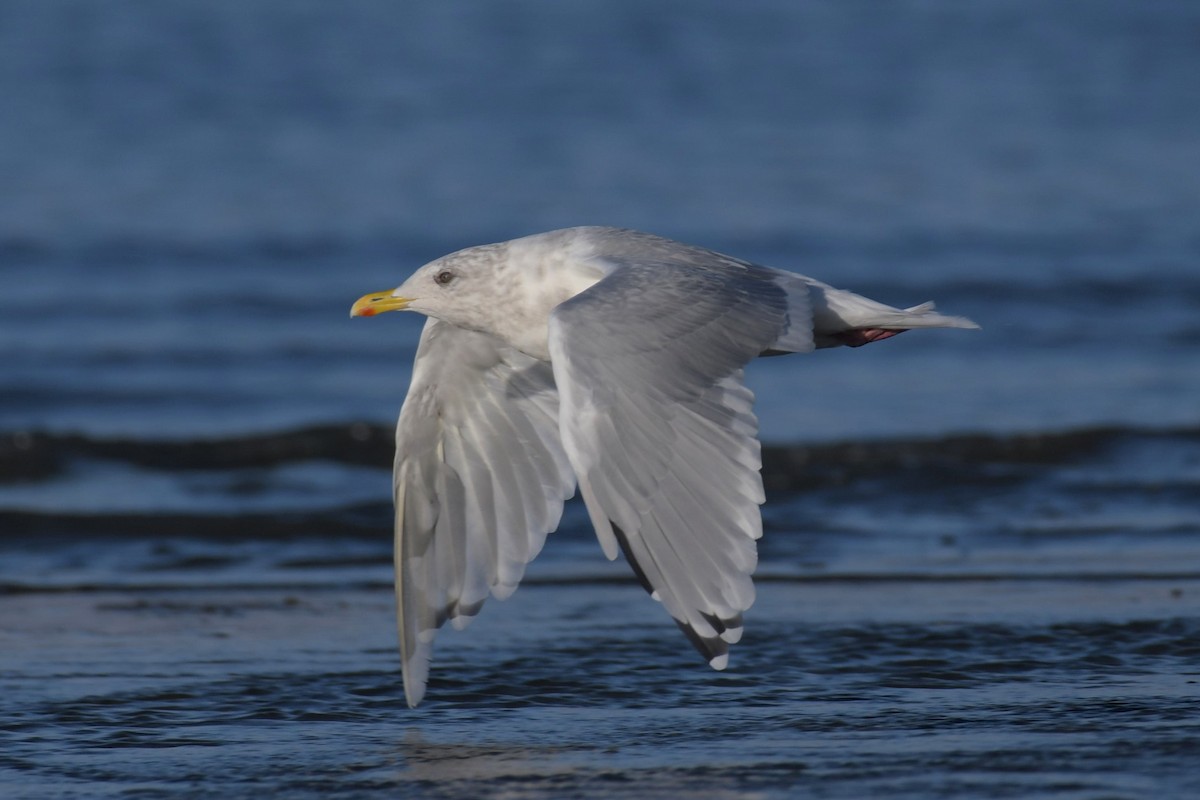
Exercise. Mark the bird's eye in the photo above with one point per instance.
(444, 277)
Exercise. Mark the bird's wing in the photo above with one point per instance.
(480, 478)
(660, 429)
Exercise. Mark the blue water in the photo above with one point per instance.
(192, 195)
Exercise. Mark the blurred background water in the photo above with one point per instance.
(192, 194)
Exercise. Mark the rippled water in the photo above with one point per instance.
(979, 576)
(950, 690)
(973, 616)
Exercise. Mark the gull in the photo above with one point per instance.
(611, 360)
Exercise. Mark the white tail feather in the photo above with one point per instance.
(836, 310)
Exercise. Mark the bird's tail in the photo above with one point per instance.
(842, 317)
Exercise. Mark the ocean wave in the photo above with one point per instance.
(364, 521)
(30, 455)
(202, 578)
(66, 497)
(37, 455)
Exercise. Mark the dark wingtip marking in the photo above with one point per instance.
(722, 625)
(460, 609)
(623, 541)
(709, 647)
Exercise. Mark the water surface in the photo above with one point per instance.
(979, 571)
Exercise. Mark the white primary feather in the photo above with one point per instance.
(480, 479)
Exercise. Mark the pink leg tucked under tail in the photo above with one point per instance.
(861, 336)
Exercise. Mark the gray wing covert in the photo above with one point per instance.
(480, 478)
(661, 431)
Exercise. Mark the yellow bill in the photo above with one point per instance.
(376, 303)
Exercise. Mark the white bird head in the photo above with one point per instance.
(452, 288)
(507, 290)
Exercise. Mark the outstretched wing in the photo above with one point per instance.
(480, 478)
(660, 429)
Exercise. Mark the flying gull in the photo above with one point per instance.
(612, 360)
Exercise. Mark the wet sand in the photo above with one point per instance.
(842, 688)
